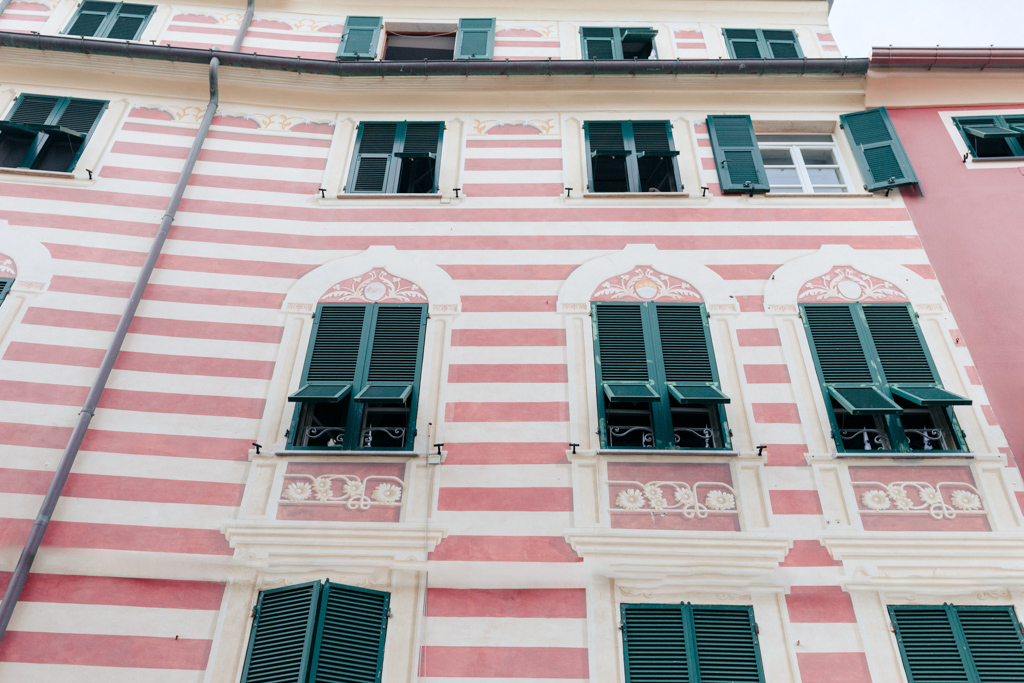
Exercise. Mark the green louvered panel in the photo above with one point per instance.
(737, 157)
(880, 155)
(605, 135)
(90, 17)
(684, 345)
(422, 138)
(743, 43)
(836, 344)
(350, 641)
(655, 645)
(994, 639)
(335, 351)
(475, 39)
(81, 115)
(33, 109)
(282, 635)
(899, 345)
(377, 138)
(726, 642)
(622, 351)
(5, 286)
(397, 340)
(782, 44)
(651, 136)
(359, 38)
(928, 645)
(599, 43)
(373, 156)
(129, 22)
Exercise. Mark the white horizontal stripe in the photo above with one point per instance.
(776, 433)
(825, 637)
(790, 478)
(114, 620)
(799, 527)
(512, 152)
(498, 632)
(507, 354)
(511, 321)
(512, 177)
(476, 523)
(131, 421)
(48, 673)
(530, 476)
(100, 511)
(179, 468)
(483, 392)
(506, 432)
(514, 288)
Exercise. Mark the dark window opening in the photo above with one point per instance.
(996, 147)
(639, 47)
(993, 137)
(58, 152)
(695, 426)
(417, 175)
(417, 47)
(927, 428)
(860, 432)
(610, 174)
(14, 145)
(657, 174)
(629, 425)
(322, 425)
(384, 426)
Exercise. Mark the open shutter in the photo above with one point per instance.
(995, 642)
(374, 157)
(782, 44)
(687, 355)
(80, 116)
(655, 157)
(928, 645)
(418, 148)
(743, 43)
(89, 18)
(23, 133)
(737, 158)
(360, 37)
(33, 110)
(333, 357)
(600, 43)
(904, 358)
(396, 348)
(842, 363)
(351, 630)
(129, 22)
(624, 365)
(654, 644)
(880, 155)
(725, 638)
(607, 150)
(5, 286)
(282, 635)
(475, 39)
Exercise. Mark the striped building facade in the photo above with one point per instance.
(510, 555)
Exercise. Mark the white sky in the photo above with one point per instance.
(858, 25)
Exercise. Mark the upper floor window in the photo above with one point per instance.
(317, 632)
(631, 156)
(396, 157)
(992, 137)
(959, 643)
(802, 164)
(471, 39)
(879, 380)
(618, 43)
(756, 43)
(360, 384)
(5, 286)
(692, 643)
(116, 20)
(656, 377)
(47, 133)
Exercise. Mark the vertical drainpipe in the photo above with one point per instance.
(5, 3)
(67, 460)
(246, 20)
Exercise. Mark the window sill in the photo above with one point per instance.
(988, 160)
(31, 172)
(667, 451)
(339, 452)
(633, 195)
(395, 195)
(899, 455)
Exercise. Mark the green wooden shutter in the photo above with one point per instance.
(396, 350)
(282, 635)
(655, 157)
(360, 37)
(332, 361)
(374, 158)
(475, 39)
(994, 641)
(5, 286)
(80, 116)
(608, 149)
(743, 43)
(725, 638)
(737, 157)
(600, 43)
(128, 22)
(34, 109)
(929, 645)
(880, 155)
(351, 629)
(687, 354)
(624, 364)
(781, 44)
(419, 148)
(90, 17)
(655, 644)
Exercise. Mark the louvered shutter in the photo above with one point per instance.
(725, 638)
(33, 110)
(332, 361)
(842, 362)
(374, 157)
(782, 44)
(396, 349)
(655, 644)
(282, 635)
(80, 116)
(687, 354)
(880, 155)
(928, 645)
(625, 366)
(351, 630)
(90, 17)
(655, 156)
(418, 148)
(5, 286)
(360, 37)
(607, 152)
(994, 641)
(129, 22)
(600, 43)
(475, 39)
(904, 357)
(737, 157)
(743, 43)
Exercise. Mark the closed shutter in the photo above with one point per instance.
(374, 157)
(654, 644)
(332, 361)
(81, 116)
(737, 157)
(743, 43)
(129, 22)
(33, 109)
(928, 645)
(880, 155)
(90, 17)
(726, 642)
(475, 39)
(625, 367)
(282, 635)
(782, 44)
(687, 355)
(351, 630)
(600, 43)
(995, 642)
(360, 37)
(396, 347)
(5, 286)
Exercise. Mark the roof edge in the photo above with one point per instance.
(947, 58)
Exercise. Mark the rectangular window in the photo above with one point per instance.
(756, 43)
(115, 20)
(656, 377)
(618, 43)
(360, 384)
(5, 286)
(47, 133)
(690, 644)
(317, 632)
(880, 155)
(879, 380)
(959, 643)
(802, 164)
(398, 157)
(992, 137)
(631, 156)
(472, 39)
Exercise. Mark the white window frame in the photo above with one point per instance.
(794, 147)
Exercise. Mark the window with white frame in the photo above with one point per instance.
(803, 164)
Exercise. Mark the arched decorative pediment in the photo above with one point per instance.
(846, 284)
(644, 283)
(375, 286)
(8, 269)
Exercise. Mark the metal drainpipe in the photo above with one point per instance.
(3, 5)
(246, 20)
(35, 537)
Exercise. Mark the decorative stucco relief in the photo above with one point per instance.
(925, 498)
(698, 499)
(347, 489)
(511, 30)
(919, 498)
(375, 286)
(846, 284)
(7, 267)
(643, 283)
(515, 127)
(672, 496)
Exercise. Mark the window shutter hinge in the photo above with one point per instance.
(389, 614)
(622, 627)
(757, 629)
(252, 615)
(841, 127)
